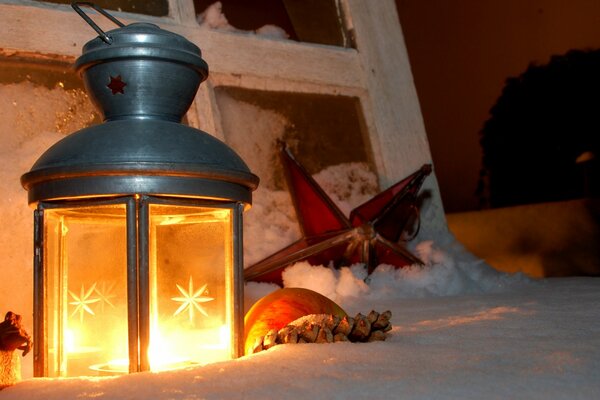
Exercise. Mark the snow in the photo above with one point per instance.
(348, 185)
(537, 341)
(214, 18)
(442, 275)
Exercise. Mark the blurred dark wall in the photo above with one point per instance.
(462, 52)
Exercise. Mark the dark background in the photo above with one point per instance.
(463, 51)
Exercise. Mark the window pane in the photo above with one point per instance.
(41, 99)
(311, 21)
(325, 133)
(321, 130)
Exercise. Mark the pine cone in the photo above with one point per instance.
(327, 328)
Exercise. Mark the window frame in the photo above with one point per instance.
(377, 72)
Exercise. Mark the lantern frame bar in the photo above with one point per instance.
(132, 286)
(238, 280)
(40, 334)
(143, 227)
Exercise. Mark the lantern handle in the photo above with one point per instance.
(104, 36)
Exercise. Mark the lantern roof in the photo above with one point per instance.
(139, 156)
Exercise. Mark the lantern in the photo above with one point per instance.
(138, 220)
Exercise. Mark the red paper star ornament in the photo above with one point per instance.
(116, 85)
(369, 236)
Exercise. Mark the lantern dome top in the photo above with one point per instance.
(143, 40)
(141, 71)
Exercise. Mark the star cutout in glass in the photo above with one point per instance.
(105, 292)
(369, 236)
(191, 300)
(116, 85)
(82, 302)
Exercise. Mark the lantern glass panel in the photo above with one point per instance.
(86, 291)
(191, 285)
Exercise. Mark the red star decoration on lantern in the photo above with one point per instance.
(116, 85)
(370, 235)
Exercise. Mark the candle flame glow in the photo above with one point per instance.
(200, 346)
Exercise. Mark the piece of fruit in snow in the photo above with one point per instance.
(276, 310)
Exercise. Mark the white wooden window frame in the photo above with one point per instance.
(377, 72)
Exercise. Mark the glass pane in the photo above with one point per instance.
(325, 133)
(157, 8)
(311, 21)
(39, 104)
(86, 263)
(191, 275)
(321, 130)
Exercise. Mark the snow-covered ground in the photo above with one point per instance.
(536, 340)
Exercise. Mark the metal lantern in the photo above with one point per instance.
(138, 220)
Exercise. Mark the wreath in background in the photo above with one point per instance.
(541, 142)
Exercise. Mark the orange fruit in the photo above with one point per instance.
(278, 309)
